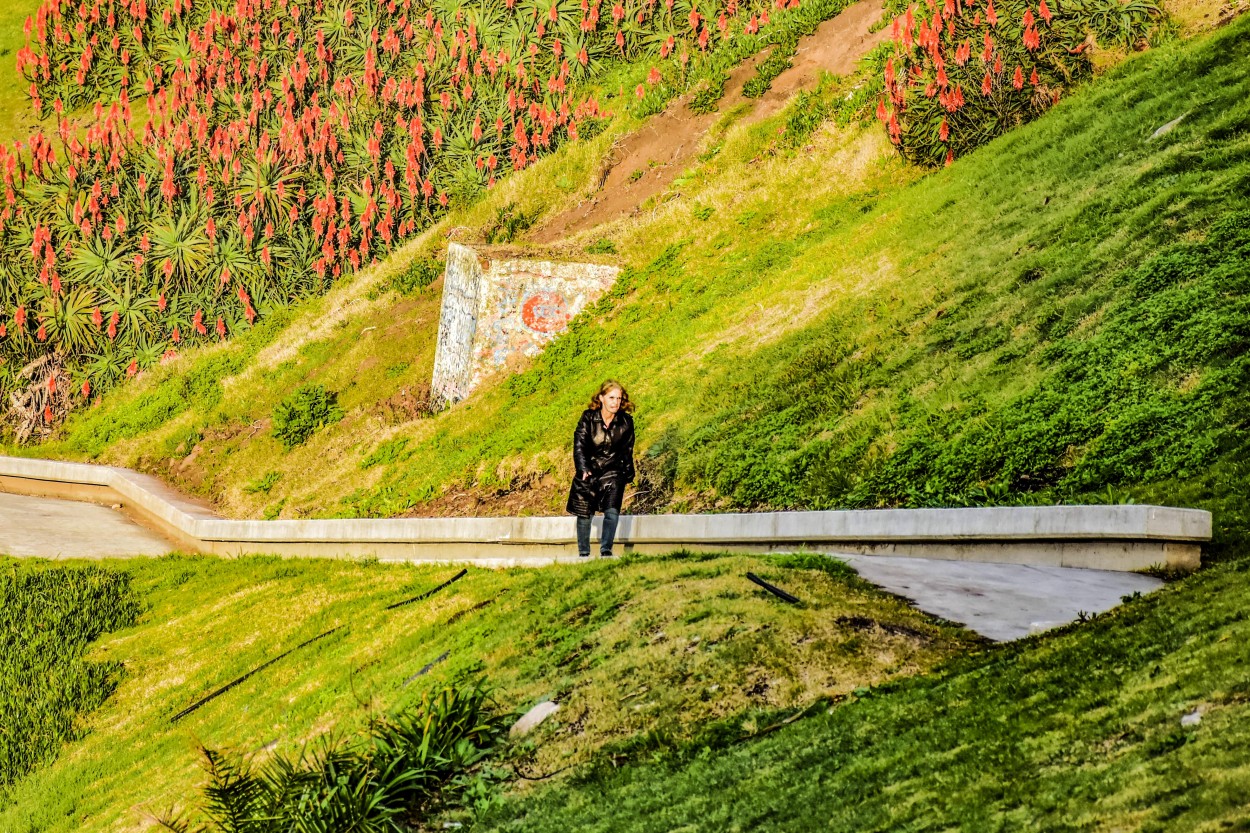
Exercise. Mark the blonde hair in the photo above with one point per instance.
(596, 401)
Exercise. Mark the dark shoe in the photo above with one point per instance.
(605, 554)
(583, 555)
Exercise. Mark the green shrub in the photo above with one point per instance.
(708, 95)
(383, 781)
(47, 620)
(264, 484)
(510, 220)
(303, 412)
(602, 246)
(420, 273)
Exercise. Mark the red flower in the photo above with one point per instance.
(1017, 80)
(86, 388)
(112, 331)
(987, 84)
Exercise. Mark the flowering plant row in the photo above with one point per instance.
(965, 71)
(240, 154)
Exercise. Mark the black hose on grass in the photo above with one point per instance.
(429, 593)
(426, 668)
(258, 668)
(776, 591)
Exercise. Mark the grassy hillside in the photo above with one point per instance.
(633, 649)
(804, 323)
(1081, 731)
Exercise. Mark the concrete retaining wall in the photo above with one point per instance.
(1100, 537)
(497, 311)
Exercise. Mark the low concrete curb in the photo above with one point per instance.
(1097, 537)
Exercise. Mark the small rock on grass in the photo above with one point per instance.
(532, 718)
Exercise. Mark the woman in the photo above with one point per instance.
(603, 456)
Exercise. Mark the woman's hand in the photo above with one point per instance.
(585, 475)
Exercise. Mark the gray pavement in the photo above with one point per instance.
(1000, 601)
(49, 528)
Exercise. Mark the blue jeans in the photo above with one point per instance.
(610, 519)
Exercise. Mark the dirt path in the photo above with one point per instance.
(646, 162)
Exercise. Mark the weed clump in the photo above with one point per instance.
(303, 412)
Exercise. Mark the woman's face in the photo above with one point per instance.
(612, 400)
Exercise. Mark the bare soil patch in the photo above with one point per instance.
(646, 162)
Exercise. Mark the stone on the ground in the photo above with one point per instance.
(533, 718)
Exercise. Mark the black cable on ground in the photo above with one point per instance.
(429, 593)
(776, 591)
(426, 669)
(258, 668)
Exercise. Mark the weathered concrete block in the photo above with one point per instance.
(495, 312)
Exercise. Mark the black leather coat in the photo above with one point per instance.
(607, 452)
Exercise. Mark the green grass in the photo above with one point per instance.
(47, 621)
(1080, 731)
(655, 648)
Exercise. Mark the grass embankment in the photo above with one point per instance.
(662, 649)
(47, 621)
(1074, 732)
(1060, 314)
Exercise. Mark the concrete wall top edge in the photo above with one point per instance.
(1126, 522)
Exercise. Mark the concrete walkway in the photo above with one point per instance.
(1000, 601)
(48, 528)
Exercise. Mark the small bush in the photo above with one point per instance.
(602, 246)
(303, 412)
(420, 273)
(405, 768)
(709, 95)
(264, 484)
(508, 223)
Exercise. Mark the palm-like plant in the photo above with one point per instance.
(180, 248)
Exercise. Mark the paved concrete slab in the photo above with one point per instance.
(1000, 601)
(47, 528)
